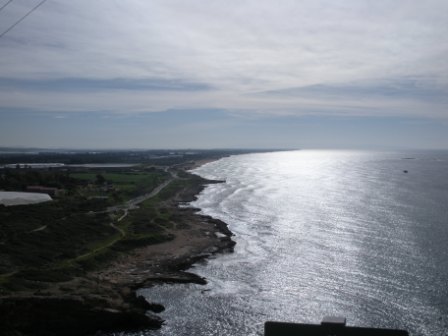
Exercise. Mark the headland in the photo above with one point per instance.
(72, 266)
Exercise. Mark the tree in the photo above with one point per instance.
(100, 179)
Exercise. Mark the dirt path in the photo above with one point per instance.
(39, 229)
(126, 207)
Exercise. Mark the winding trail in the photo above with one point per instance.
(134, 202)
(128, 205)
(43, 227)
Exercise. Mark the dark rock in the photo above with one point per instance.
(156, 307)
(142, 303)
(55, 316)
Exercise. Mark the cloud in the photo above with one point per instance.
(320, 57)
(87, 84)
(396, 88)
(396, 96)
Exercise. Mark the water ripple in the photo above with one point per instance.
(321, 233)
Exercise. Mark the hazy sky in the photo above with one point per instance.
(234, 73)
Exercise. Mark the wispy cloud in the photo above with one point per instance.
(400, 88)
(250, 58)
(88, 84)
(235, 48)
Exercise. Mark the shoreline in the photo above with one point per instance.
(106, 299)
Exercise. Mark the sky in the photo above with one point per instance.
(225, 74)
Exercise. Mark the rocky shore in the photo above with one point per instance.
(105, 299)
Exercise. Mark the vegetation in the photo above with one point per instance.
(87, 225)
(150, 157)
(36, 238)
(120, 185)
(48, 250)
(19, 179)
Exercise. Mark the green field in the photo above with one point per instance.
(125, 184)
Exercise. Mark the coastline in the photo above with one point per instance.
(105, 299)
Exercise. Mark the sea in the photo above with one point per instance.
(357, 234)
